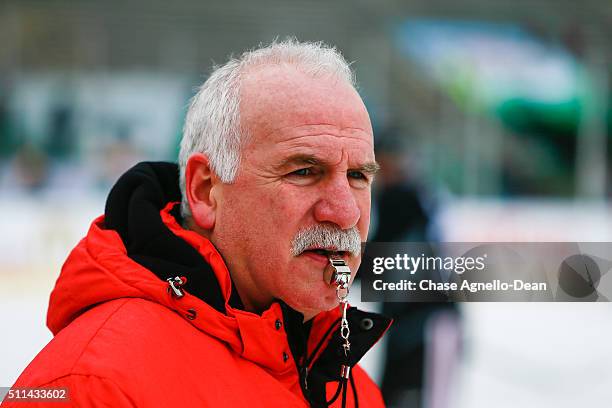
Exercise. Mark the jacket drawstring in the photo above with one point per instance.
(343, 383)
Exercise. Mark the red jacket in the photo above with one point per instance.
(122, 339)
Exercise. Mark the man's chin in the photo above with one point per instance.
(311, 309)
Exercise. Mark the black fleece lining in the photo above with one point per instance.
(132, 209)
(327, 367)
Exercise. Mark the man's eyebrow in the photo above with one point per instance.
(368, 168)
(299, 159)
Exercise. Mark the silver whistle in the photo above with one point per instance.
(341, 276)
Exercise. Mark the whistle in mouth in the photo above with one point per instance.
(341, 276)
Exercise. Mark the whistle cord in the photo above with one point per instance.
(341, 386)
(344, 394)
(321, 342)
(342, 389)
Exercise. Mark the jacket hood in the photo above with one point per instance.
(138, 244)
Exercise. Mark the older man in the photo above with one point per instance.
(227, 299)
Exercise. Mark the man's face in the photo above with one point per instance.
(305, 164)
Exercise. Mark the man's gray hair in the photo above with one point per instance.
(212, 125)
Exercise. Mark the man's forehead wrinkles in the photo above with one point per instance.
(326, 152)
(318, 129)
(327, 141)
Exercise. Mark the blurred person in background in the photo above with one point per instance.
(26, 165)
(207, 283)
(403, 216)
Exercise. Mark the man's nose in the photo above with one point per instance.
(338, 205)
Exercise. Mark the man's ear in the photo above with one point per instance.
(199, 182)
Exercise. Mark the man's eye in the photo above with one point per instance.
(357, 175)
(302, 172)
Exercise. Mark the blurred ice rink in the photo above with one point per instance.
(37, 235)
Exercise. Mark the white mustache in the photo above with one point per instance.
(327, 236)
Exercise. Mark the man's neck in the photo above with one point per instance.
(242, 283)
